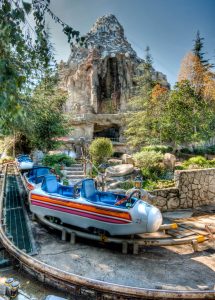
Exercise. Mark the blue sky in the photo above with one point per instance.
(168, 27)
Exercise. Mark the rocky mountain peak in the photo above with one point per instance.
(107, 24)
(107, 37)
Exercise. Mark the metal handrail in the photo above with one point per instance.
(87, 160)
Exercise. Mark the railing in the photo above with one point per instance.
(87, 161)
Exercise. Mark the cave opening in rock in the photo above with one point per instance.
(112, 132)
(109, 88)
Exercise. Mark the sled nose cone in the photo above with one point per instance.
(154, 219)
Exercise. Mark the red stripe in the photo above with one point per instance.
(82, 214)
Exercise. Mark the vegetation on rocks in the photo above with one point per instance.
(158, 148)
(151, 185)
(198, 162)
(150, 164)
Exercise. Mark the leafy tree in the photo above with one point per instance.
(44, 115)
(177, 117)
(144, 126)
(23, 58)
(144, 79)
(201, 79)
(135, 131)
(198, 71)
(187, 117)
(192, 70)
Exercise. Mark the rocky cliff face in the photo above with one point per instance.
(99, 77)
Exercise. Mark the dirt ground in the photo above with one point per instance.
(172, 267)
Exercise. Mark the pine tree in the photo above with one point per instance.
(197, 50)
(148, 59)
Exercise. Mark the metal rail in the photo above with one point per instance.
(134, 241)
(93, 289)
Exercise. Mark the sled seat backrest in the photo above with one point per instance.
(88, 190)
(50, 184)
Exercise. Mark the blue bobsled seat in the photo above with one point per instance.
(35, 179)
(66, 190)
(89, 192)
(51, 185)
(107, 198)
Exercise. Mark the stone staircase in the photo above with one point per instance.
(74, 173)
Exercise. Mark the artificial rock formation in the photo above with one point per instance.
(99, 80)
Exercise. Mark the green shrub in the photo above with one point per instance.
(101, 149)
(149, 185)
(211, 163)
(196, 162)
(150, 163)
(186, 151)
(160, 184)
(199, 151)
(179, 167)
(158, 148)
(61, 159)
(210, 150)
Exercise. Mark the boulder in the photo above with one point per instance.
(119, 170)
(127, 159)
(118, 184)
(117, 191)
(169, 160)
(114, 161)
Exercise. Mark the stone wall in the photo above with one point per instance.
(192, 188)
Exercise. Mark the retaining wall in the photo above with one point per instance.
(192, 188)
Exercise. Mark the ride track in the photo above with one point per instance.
(85, 287)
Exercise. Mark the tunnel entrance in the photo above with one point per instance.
(108, 91)
(111, 132)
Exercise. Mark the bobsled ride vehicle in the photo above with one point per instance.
(83, 206)
(24, 162)
(35, 176)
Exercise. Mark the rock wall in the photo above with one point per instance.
(193, 188)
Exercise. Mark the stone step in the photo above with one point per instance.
(75, 165)
(74, 169)
(74, 172)
(75, 176)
